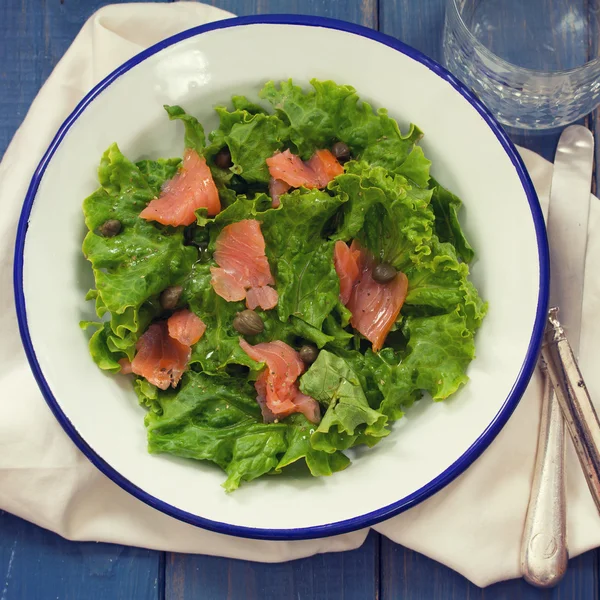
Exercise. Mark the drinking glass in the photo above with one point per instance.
(534, 63)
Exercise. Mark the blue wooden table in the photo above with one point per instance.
(38, 565)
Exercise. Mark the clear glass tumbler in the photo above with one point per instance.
(534, 63)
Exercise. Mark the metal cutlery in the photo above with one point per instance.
(544, 553)
(577, 408)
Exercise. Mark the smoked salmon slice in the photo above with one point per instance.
(186, 327)
(227, 285)
(160, 358)
(325, 166)
(243, 270)
(346, 267)
(277, 188)
(125, 366)
(289, 168)
(265, 297)
(164, 350)
(192, 188)
(277, 386)
(374, 306)
(308, 406)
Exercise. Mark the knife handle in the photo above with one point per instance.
(544, 555)
(575, 402)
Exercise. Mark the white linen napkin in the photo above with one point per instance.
(474, 525)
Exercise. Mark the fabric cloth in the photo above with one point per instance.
(474, 525)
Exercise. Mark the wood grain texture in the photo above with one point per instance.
(34, 35)
(349, 575)
(418, 24)
(36, 564)
(407, 575)
(363, 12)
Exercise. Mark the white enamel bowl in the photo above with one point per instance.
(199, 69)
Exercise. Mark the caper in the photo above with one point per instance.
(384, 273)
(248, 322)
(109, 228)
(341, 151)
(308, 354)
(170, 297)
(223, 158)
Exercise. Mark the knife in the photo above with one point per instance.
(544, 553)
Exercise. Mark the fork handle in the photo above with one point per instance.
(575, 402)
(544, 554)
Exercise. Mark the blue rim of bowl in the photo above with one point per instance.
(436, 484)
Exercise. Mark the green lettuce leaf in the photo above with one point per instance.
(387, 215)
(447, 226)
(243, 103)
(437, 279)
(440, 282)
(195, 137)
(437, 355)
(301, 258)
(242, 208)
(220, 344)
(217, 418)
(98, 345)
(147, 395)
(298, 437)
(339, 336)
(156, 172)
(251, 137)
(415, 167)
(317, 118)
(386, 199)
(143, 259)
(133, 267)
(360, 364)
(349, 419)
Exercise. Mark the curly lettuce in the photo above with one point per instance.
(386, 199)
(130, 269)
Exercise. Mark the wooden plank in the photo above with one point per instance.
(418, 24)
(35, 34)
(345, 575)
(363, 12)
(36, 564)
(408, 575)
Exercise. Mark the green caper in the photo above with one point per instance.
(308, 354)
(109, 228)
(384, 273)
(341, 151)
(223, 158)
(248, 322)
(170, 297)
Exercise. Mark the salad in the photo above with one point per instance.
(287, 289)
